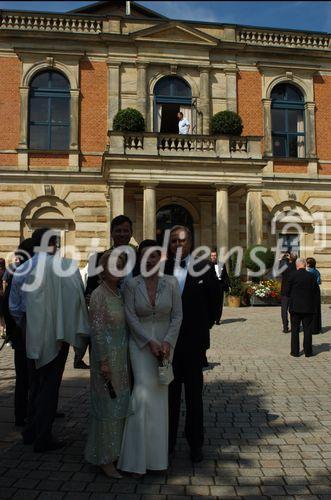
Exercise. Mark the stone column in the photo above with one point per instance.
(113, 91)
(74, 118)
(231, 89)
(267, 127)
(142, 88)
(24, 103)
(149, 211)
(116, 192)
(310, 130)
(254, 229)
(222, 217)
(206, 217)
(138, 233)
(205, 99)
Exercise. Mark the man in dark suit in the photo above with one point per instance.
(301, 289)
(288, 259)
(121, 233)
(199, 294)
(222, 280)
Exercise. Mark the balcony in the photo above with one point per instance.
(183, 146)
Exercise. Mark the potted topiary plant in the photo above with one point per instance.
(129, 120)
(236, 289)
(227, 123)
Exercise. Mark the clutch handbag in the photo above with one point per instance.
(166, 374)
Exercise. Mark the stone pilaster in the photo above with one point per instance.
(113, 91)
(254, 229)
(142, 88)
(310, 130)
(205, 99)
(231, 89)
(116, 192)
(267, 127)
(222, 217)
(149, 210)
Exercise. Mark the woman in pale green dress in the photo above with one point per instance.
(109, 362)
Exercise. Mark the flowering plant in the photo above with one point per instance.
(264, 289)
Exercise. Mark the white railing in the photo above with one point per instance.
(279, 39)
(194, 146)
(185, 143)
(37, 22)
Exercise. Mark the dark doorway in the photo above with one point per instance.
(169, 216)
(169, 121)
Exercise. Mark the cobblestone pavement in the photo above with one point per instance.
(267, 418)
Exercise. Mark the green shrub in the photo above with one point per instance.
(226, 122)
(264, 254)
(129, 120)
(236, 288)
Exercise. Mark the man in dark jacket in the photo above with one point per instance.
(222, 280)
(198, 299)
(288, 259)
(301, 289)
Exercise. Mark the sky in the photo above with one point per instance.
(300, 15)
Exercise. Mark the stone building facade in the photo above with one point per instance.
(231, 191)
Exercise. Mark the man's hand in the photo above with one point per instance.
(155, 348)
(105, 370)
(165, 347)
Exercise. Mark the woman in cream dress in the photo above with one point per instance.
(153, 308)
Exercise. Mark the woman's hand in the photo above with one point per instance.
(165, 349)
(105, 370)
(155, 348)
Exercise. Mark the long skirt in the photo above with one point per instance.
(145, 438)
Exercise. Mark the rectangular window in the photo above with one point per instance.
(38, 137)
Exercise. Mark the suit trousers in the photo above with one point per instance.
(307, 323)
(43, 398)
(21, 384)
(284, 306)
(220, 310)
(189, 374)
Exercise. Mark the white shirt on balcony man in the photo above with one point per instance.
(183, 124)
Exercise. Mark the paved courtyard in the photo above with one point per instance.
(267, 418)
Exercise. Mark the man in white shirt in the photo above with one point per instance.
(183, 124)
(223, 281)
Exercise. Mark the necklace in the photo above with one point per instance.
(116, 294)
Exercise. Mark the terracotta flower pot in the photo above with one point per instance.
(233, 301)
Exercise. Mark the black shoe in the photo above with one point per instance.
(217, 322)
(286, 330)
(59, 414)
(196, 455)
(295, 355)
(309, 355)
(81, 365)
(52, 446)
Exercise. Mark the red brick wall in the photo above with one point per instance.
(93, 108)
(52, 160)
(324, 169)
(10, 75)
(322, 90)
(290, 168)
(250, 102)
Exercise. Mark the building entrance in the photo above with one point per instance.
(169, 216)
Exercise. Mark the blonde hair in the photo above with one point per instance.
(104, 262)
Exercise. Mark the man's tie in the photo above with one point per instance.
(183, 264)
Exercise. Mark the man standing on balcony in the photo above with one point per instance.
(183, 124)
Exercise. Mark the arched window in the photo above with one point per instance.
(171, 95)
(49, 111)
(288, 123)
